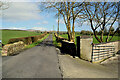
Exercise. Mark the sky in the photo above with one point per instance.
(27, 15)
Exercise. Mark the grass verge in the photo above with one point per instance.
(56, 44)
(36, 43)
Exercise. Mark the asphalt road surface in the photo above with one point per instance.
(43, 61)
(38, 62)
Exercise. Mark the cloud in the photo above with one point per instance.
(18, 28)
(38, 23)
(24, 28)
(21, 11)
(16, 0)
(45, 22)
(39, 28)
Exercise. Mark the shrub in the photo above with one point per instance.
(27, 40)
(35, 38)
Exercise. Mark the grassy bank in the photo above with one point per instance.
(36, 43)
(57, 44)
(8, 34)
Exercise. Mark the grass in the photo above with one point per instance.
(55, 42)
(94, 39)
(8, 34)
(36, 43)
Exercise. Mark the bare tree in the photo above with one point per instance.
(101, 15)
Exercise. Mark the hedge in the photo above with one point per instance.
(27, 40)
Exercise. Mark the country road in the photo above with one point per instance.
(42, 61)
(38, 62)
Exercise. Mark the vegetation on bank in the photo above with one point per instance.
(56, 44)
(8, 34)
(36, 43)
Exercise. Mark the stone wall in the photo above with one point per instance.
(11, 49)
(68, 47)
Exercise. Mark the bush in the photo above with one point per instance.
(86, 32)
(35, 38)
(27, 40)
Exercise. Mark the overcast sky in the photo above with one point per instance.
(27, 15)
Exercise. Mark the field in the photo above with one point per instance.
(94, 40)
(8, 34)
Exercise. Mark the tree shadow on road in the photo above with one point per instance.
(46, 43)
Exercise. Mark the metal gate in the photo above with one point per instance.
(100, 52)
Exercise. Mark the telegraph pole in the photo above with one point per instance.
(58, 22)
(53, 29)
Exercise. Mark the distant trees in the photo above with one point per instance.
(83, 32)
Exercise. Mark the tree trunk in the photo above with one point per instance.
(68, 22)
(101, 36)
(94, 32)
(73, 31)
(73, 34)
(114, 33)
(107, 39)
(69, 32)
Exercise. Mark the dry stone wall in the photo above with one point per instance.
(17, 44)
(67, 46)
(11, 49)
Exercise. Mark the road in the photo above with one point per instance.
(38, 62)
(78, 68)
(43, 61)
